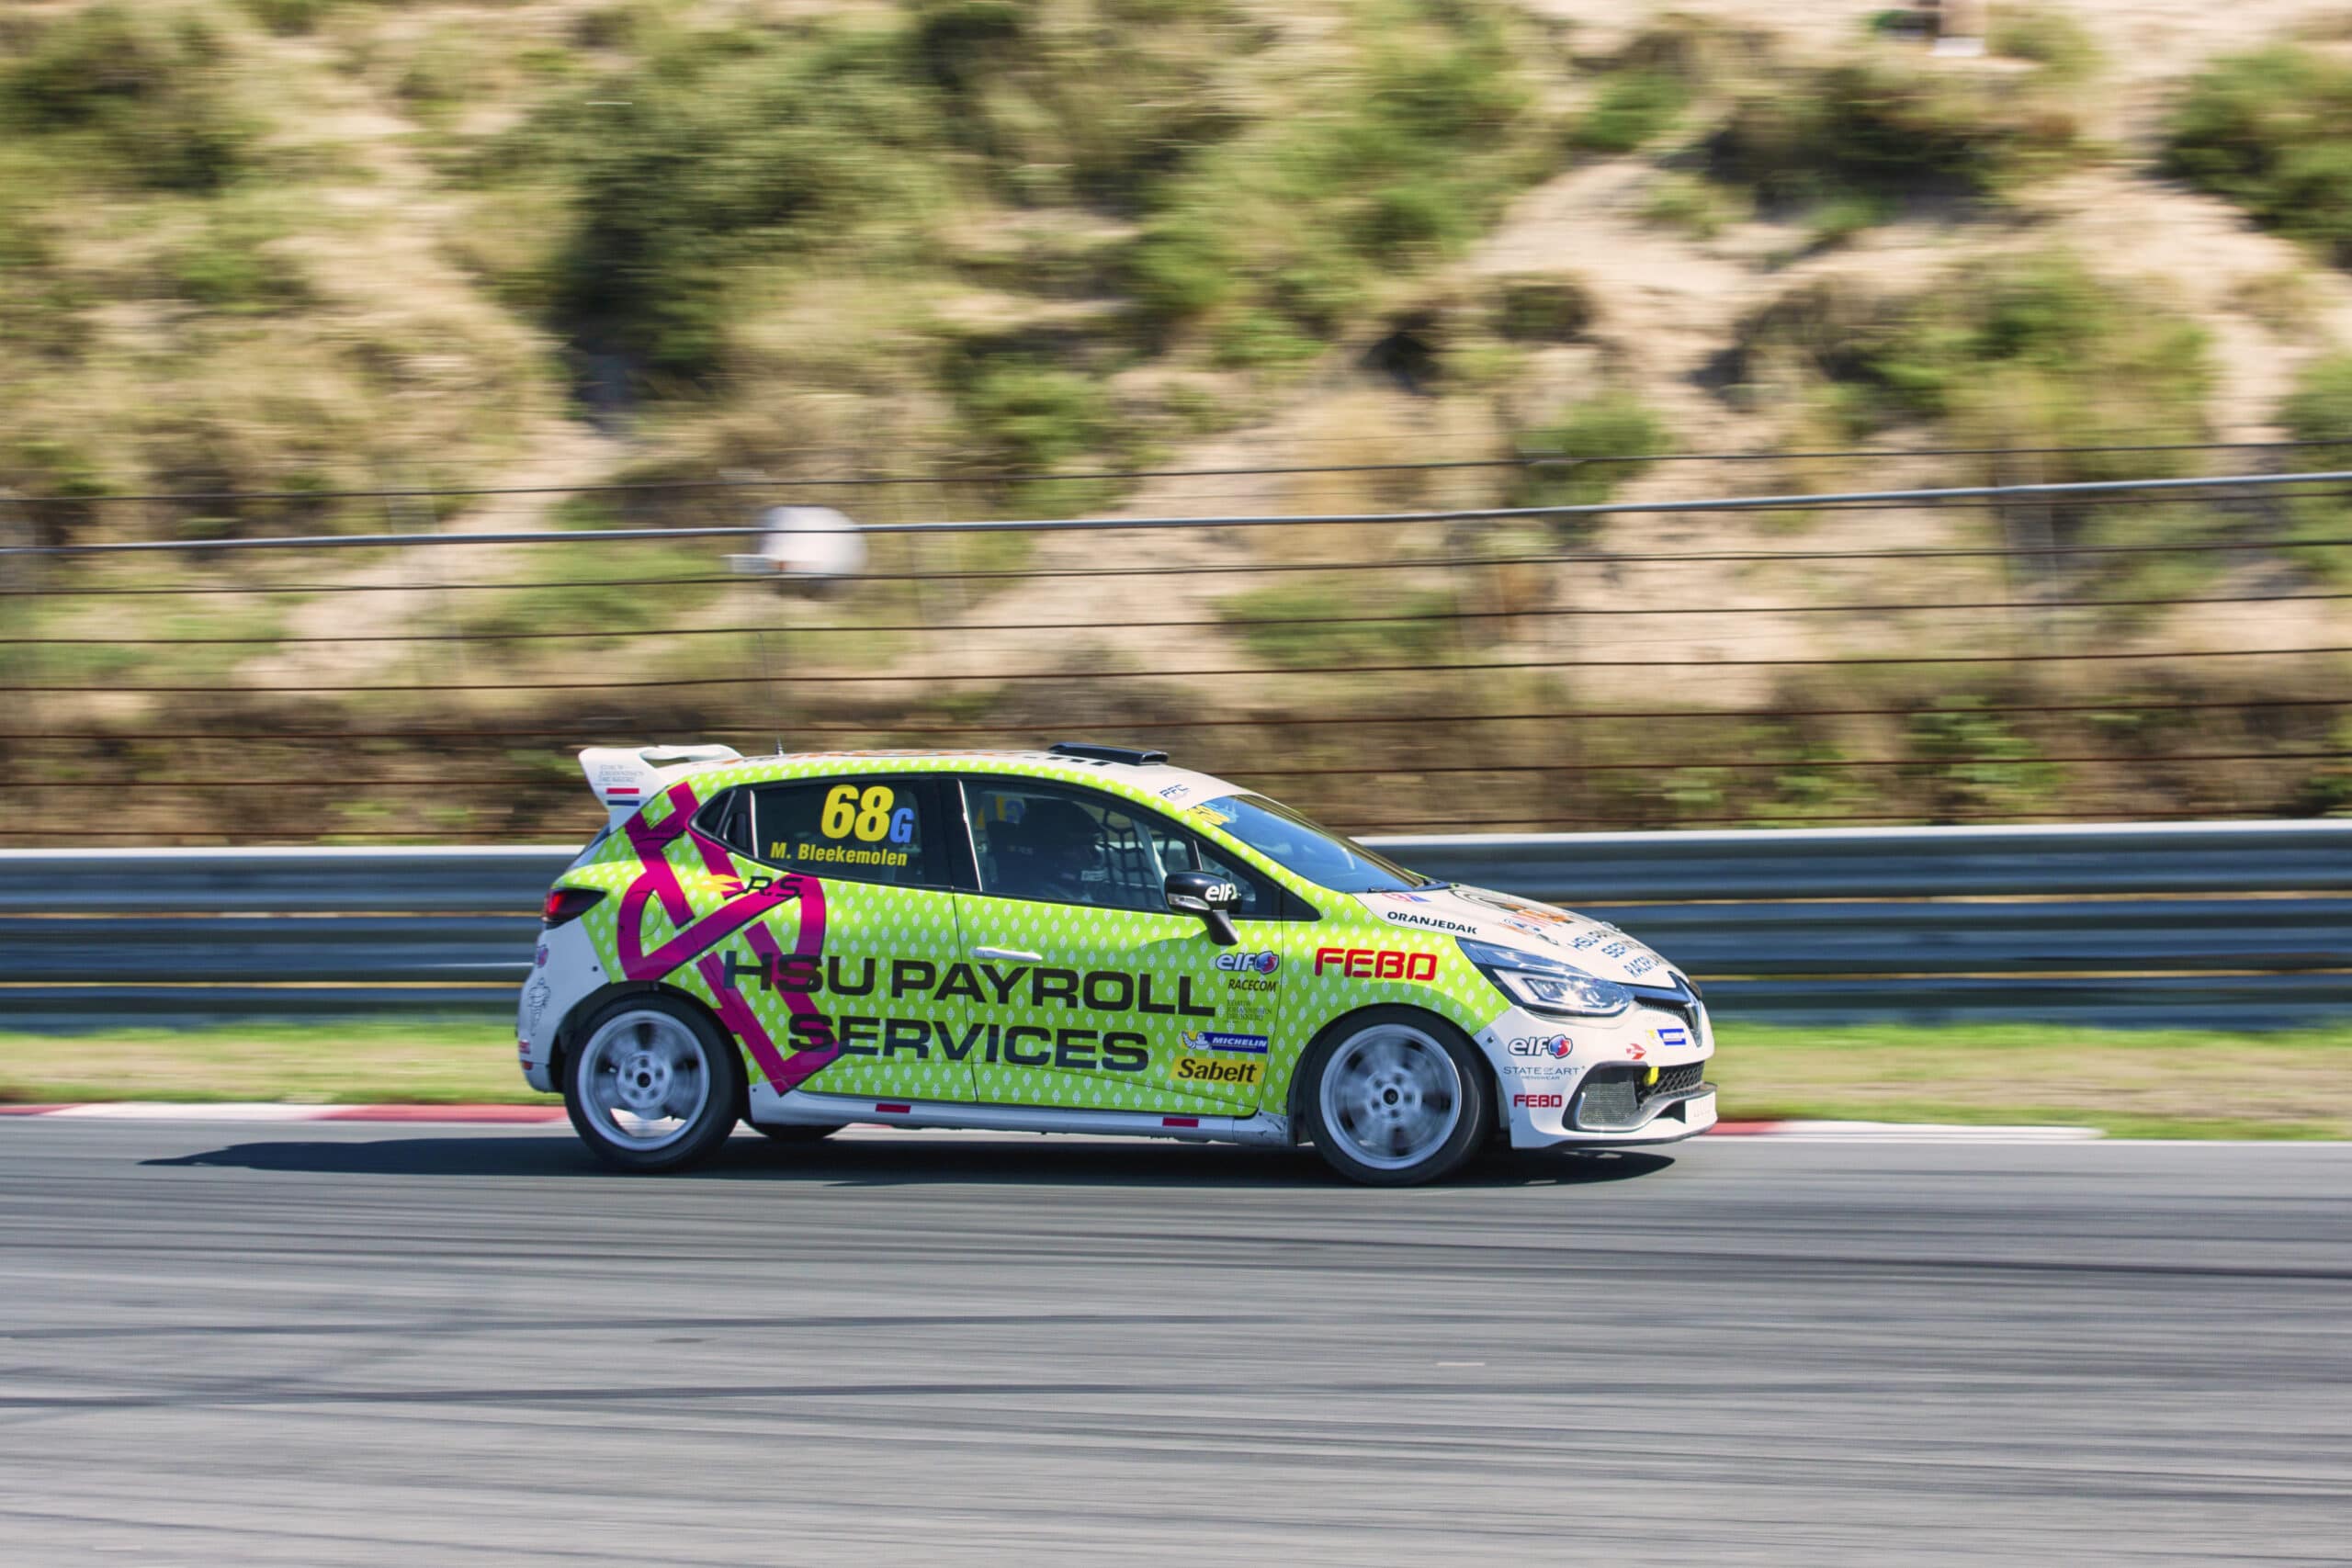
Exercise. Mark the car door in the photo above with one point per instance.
(850, 968)
(1092, 994)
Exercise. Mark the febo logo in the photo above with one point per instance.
(1250, 963)
(1538, 1101)
(1559, 1047)
(1367, 964)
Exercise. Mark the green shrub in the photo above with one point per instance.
(59, 480)
(1875, 126)
(2272, 131)
(702, 164)
(1632, 107)
(1698, 208)
(1409, 150)
(1033, 418)
(230, 268)
(724, 156)
(1542, 308)
(956, 41)
(290, 18)
(2031, 351)
(142, 90)
(1181, 267)
(1257, 338)
(1093, 102)
(1409, 215)
(1975, 763)
(2049, 36)
(1840, 218)
(2320, 408)
(2327, 790)
(1615, 426)
(1326, 621)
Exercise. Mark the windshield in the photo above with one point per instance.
(1298, 845)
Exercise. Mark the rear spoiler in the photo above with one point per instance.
(625, 778)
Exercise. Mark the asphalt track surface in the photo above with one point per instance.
(324, 1345)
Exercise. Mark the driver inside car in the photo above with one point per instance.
(1048, 853)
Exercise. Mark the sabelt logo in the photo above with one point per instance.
(1376, 964)
(1212, 1069)
(1434, 922)
(1248, 963)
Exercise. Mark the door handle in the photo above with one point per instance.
(1012, 953)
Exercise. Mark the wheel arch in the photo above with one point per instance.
(575, 1023)
(1295, 1103)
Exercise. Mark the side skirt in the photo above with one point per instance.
(802, 1109)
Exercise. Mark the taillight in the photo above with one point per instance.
(565, 905)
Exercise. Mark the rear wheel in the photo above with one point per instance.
(654, 1086)
(1395, 1096)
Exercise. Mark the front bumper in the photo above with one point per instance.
(1685, 1114)
(1636, 1078)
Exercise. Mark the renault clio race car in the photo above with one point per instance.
(1081, 940)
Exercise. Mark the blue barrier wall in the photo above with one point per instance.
(2241, 924)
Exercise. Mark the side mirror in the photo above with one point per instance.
(1210, 897)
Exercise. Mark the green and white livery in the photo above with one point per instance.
(1083, 938)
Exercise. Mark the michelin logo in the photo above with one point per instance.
(1209, 1040)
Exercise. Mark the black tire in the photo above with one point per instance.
(663, 1042)
(794, 1133)
(1395, 1126)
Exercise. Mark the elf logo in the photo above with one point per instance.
(1556, 1047)
(1250, 963)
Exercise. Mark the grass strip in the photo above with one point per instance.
(2128, 1083)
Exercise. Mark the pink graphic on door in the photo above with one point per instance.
(696, 936)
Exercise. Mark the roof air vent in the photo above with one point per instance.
(1093, 754)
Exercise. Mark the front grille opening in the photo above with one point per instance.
(1619, 1096)
(1674, 1080)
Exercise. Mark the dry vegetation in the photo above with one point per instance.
(304, 247)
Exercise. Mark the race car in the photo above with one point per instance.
(1083, 938)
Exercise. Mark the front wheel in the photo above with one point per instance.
(1395, 1097)
(655, 1085)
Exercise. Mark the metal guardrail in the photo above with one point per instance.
(2206, 924)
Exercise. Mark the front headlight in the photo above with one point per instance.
(1545, 984)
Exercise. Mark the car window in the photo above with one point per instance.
(1179, 851)
(1072, 846)
(864, 829)
(727, 818)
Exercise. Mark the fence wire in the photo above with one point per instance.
(2159, 648)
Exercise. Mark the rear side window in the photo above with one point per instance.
(844, 829)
